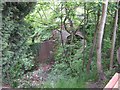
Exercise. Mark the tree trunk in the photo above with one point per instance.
(94, 43)
(114, 38)
(119, 14)
(118, 32)
(118, 55)
(84, 35)
(99, 40)
(64, 55)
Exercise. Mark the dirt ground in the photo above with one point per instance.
(95, 85)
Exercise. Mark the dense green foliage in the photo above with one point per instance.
(22, 29)
(15, 34)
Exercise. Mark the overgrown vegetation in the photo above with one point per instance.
(26, 25)
(15, 34)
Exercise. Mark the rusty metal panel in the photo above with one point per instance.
(79, 34)
(46, 51)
